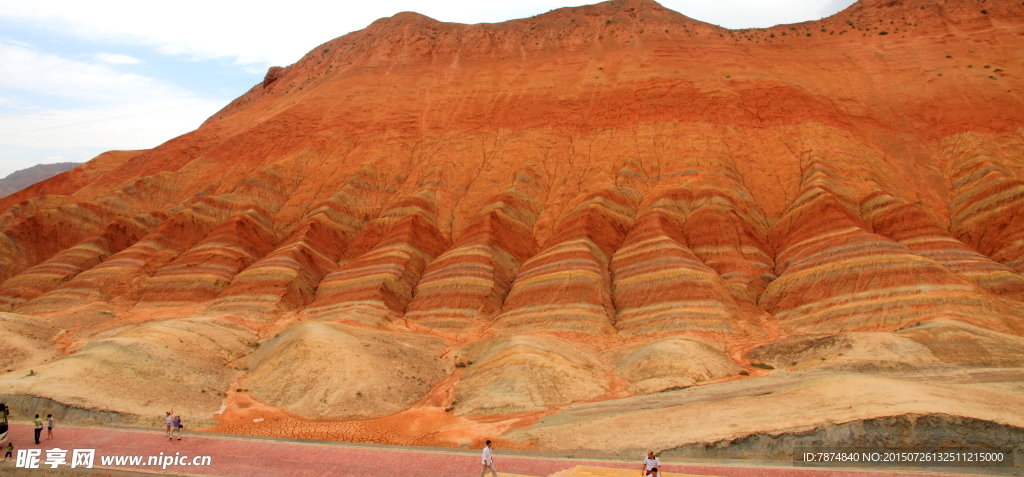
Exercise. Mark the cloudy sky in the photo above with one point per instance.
(81, 77)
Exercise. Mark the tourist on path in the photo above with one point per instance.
(167, 422)
(39, 427)
(488, 460)
(176, 426)
(49, 426)
(651, 465)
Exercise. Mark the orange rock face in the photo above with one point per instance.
(594, 203)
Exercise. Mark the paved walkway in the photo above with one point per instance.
(246, 456)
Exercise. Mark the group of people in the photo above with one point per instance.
(649, 468)
(39, 427)
(38, 423)
(174, 425)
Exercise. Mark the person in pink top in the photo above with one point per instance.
(488, 461)
(167, 422)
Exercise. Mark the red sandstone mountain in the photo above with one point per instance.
(427, 232)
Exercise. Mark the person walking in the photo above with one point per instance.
(488, 461)
(651, 465)
(176, 426)
(39, 427)
(10, 451)
(49, 426)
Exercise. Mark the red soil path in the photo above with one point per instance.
(236, 456)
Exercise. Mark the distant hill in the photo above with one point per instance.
(21, 179)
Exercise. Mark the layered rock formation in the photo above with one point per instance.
(564, 222)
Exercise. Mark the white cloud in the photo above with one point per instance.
(14, 103)
(757, 13)
(144, 124)
(118, 59)
(27, 69)
(78, 135)
(59, 106)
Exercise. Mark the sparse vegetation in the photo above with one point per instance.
(762, 365)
